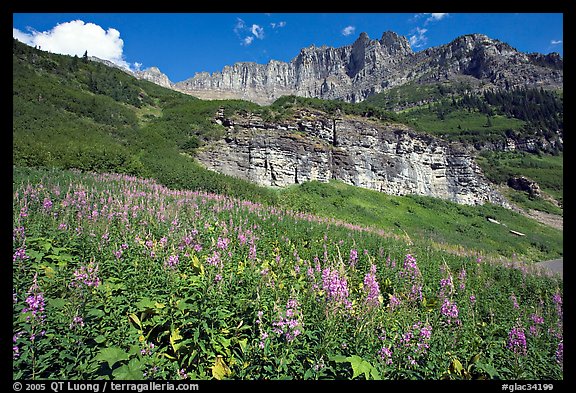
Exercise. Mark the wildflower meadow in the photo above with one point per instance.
(118, 277)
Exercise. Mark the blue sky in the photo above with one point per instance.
(183, 44)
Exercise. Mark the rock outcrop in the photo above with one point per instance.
(154, 75)
(314, 146)
(354, 72)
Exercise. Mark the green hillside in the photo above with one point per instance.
(72, 113)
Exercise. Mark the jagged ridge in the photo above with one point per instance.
(354, 72)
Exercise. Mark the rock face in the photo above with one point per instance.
(352, 73)
(154, 75)
(522, 183)
(313, 146)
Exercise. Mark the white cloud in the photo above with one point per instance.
(258, 31)
(419, 38)
(555, 42)
(22, 37)
(278, 25)
(75, 38)
(434, 17)
(348, 30)
(430, 16)
(239, 26)
(247, 33)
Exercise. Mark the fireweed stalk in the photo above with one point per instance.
(35, 316)
(371, 288)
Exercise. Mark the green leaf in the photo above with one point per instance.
(220, 370)
(492, 372)
(130, 371)
(100, 339)
(145, 304)
(58, 303)
(243, 344)
(197, 265)
(96, 312)
(112, 356)
(136, 320)
(338, 358)
(456, 367)
(474, 358)
(174, 337)
(36, 255)
(360, 366)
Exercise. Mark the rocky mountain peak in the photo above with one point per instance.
(154, 75)
(395, 44)
(368, 66)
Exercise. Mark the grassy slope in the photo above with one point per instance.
(71, 114)
(431, 220)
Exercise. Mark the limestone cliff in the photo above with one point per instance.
(311, 145)
(354, 72)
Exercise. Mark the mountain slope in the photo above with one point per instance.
(354, 72)
(75, 113)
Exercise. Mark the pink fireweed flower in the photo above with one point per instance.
(472, 299)
(426, 332)
(289, 324)
(310, 272)
(86, 275)
(450, 311)
(353, 257)
(371, 288)
(517, 341)
(252, 252)
(35, 301)
(77, 322)
(47, 204)
(410, 268)
(446, 286)
(223, 243)
(15, 348)
(386, 355)
(537, 319)
(462, 279)
(514, 301)
(18, 233)
(242, 239)
(557, 299)
(20, 255)
(172, 261)
(147, 350)
(394, 302)
(335, 287)
(560, 353)
(214, 260)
